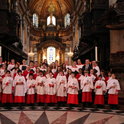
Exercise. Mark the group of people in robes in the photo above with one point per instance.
(55, 83)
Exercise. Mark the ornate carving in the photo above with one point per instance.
(117, 61)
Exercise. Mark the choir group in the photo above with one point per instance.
(56, 84)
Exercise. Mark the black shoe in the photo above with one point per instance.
(33, 107)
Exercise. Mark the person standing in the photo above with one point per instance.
(113, 88)
(61, 87)
(96, 68)
(100, 89)
(87, 66)
(79, 64)
(7, 84)
(31, 90)
(51, 89)
(41, 88)
(73, 88)
(23, 66)
(20, 89)
(87, 87)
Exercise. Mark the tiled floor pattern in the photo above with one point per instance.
(61, 116)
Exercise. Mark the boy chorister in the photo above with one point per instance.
(93, 77)
(20, 88)
(87, 87)
(51, 88)
(73, 88)
(41, 88)
(100, 89)
(31, 90)
(7, 84)
(61, 87)
(113, 88)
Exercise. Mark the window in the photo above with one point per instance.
(50, 54)
(49, 20)
(67, 20)
(35, 20)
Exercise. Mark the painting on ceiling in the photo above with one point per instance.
(39, 6)
(51, 8)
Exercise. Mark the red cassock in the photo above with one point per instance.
(72, 99)
(7, 96)
(55, 75)
(99, 99)
(51, 88)
(86, 96)
(41, 90)
(113, 87)
(61, 88)
(86, 86)
(14, 75)
(35, 76)
(31, 91)
(100, 88)
(25, 73)
(113, 99)
(20, 90)
(73, 93)
(78, 76)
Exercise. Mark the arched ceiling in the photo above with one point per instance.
(45, 7)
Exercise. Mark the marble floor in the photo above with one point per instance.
(61, 116)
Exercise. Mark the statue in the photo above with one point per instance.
(58, 27)
(44, 27)
(51, 15)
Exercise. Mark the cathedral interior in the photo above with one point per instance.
(88, 29)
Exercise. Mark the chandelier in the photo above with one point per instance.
(31, 54)
(70, 54)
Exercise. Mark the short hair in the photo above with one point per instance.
(80, 69)
(43, 63)
(113, 74)
(87, 59)
(60, 70)
(40, 71)
(8, 71)
(50, 72)
(19, 71)
(100, 76)
(73, 73)
(31, 74)
(102, 70)
(31, 61)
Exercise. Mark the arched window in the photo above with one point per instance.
(67, 20)
(50, 54)
(49, 20)
(35, 20)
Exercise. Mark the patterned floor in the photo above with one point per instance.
(61, 116)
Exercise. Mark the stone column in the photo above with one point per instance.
(116, 40)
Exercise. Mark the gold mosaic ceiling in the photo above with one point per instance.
(45, 7)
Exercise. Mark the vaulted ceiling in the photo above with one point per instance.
(44, 7)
